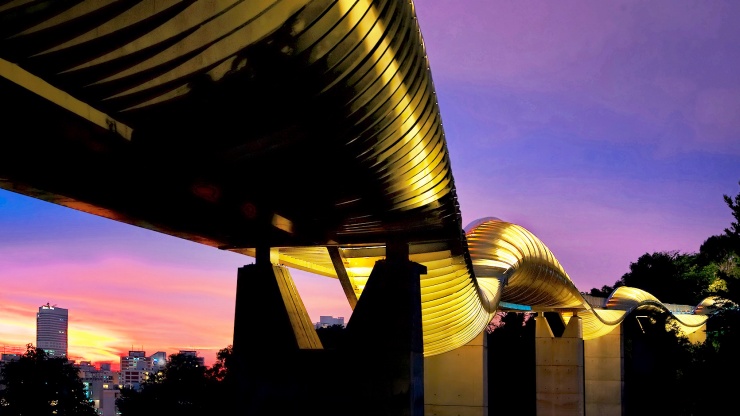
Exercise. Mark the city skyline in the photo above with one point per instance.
(48, 343)
(608, 130)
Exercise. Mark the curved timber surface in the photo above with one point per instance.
(309, 126)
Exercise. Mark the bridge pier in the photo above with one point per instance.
(281, 368)
(273, 361)
(456, 382)
(384, 336)
(604, 374)
(559, 369)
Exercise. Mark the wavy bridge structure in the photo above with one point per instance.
(306, 134)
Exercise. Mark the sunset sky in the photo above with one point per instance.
(608, 129)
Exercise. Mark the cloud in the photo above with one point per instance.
(118, 303)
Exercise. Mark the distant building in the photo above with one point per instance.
(101, 387)
(159, 359)
(193, 353)
(51, 330)
(6, 358)
(136, 367)
(327, 321)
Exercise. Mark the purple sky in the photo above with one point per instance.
(608, 129)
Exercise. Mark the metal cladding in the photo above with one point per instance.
(711, 304)
(630, 299)
(331, 99)
(297, 124)
(311, 127)
(529, 274)
(455, 307)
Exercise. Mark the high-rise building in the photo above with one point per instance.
(51, 330)
(136, 367)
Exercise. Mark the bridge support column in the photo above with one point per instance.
(559, 369)
(604, 374)
(384, 337)
(456, 382)
(272, 366)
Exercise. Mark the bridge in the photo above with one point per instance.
(305, 134)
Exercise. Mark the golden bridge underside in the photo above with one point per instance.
(311, 127)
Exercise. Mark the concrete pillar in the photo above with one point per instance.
(271, 371)
(604, 374)
(559, 369)
(456, 382)
(384, 336)
(267, 293)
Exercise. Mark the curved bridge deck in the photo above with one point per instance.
(307, 126)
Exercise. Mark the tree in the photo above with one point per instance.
(721, 254)
(331, 336)
(671, 277)
(39, 385)
(734, 229)
(221, 370)
(658, 365)
(183, 387)
(688, 278)
(511, 357)
(661, 363)
(605, 290)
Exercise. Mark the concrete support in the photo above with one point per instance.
(271, 367)
(269, 291)
(559, 369)
(604, 374)
(384, 335)
(378, 368)
(456, 382)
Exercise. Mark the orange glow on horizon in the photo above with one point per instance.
(119, 304)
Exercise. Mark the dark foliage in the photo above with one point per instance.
(332, 336)
(670, 276)
(511, 364)
(657, 366)
(183, 388)
(664, 372)
(605, 290)
(39, 385)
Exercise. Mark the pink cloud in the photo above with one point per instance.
(118, 303)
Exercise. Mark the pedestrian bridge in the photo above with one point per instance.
(306, 133)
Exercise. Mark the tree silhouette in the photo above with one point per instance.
(184, 387)
(331, 336)
(39, 385)
(659, 363)
(511, 358)
(657, 368)
(734, 229)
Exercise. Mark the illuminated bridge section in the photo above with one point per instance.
(455, 307)
(310, 127)
(318, 117)
(525, 272)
